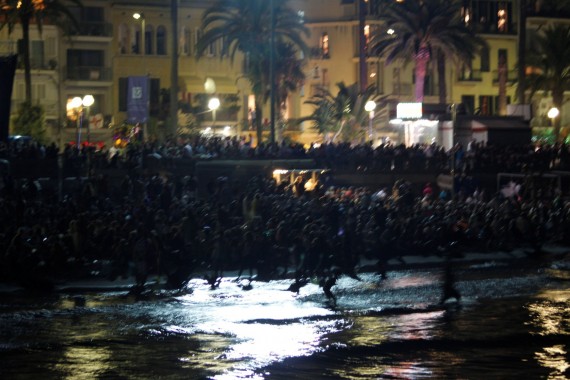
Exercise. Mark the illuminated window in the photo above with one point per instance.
(325, 45)
(466, 15)
(366, 37)
(502, 19)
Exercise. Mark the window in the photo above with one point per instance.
(496, 102)
(468, 102)
(225, 47)
(197, 36)
(486, 105)
(123, 39)
(502, 57)
(161, 40)
(123, 93)
(36, 53)
(502, 18)
(185, 42)
(325, 45)
(136, 42)
(212, 49)
(149, 40)
(485, 64)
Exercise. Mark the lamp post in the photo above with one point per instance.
(369, 107)
(140, 16)
(87, 102)
(553, 114)
(76, 106)
(213, 105)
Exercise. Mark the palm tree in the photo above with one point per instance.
(424, 30)
(24, 12)
(288, 74)
(341, 114)
(245, 27)
(549, 60)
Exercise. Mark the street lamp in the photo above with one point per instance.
(76, 105)
(213, 105)
(87, 102)
(553, 114)
(369, 107)
(140, 16)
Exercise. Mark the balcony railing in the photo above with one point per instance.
(49, 106)
(318, 53)
(94, 29)
(88, 73)
(402, 89)
(512, 76)
(470, 76)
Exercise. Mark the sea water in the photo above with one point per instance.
(512, 322)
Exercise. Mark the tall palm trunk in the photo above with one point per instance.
(521, 53)
(258, 116)
(441, 77)
(422, 60)
(26, 58)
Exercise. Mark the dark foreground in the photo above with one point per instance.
(511, 323)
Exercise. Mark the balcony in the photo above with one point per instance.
(49, 106)
(318, 53)
(88, 73)
(470, 76)
(402, 89)
(512, 76)
(93, 29)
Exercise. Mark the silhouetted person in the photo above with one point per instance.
(298, 284)
(327, 283)
(449, 290)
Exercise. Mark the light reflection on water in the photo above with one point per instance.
(505, 327)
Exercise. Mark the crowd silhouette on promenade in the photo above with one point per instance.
(151, 223)
(389, 157)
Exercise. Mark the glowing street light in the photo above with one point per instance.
(213, 105)
(369, 107)
(140, 16)
(553, 114)
(76, 105)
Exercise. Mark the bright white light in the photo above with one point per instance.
(370, 106)
(76, 102)
(137, 15)
(409, 110)
(390, 31)
(214, 104)
(553, 112)
(88, 100)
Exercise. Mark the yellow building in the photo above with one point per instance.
(110, 47)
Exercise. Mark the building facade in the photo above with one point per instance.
(112, 46)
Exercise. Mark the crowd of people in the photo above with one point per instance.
(150, 223)
(474, 157)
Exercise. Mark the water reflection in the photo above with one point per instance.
(555, 358)
(84, 363)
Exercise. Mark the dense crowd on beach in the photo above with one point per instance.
(151, 223)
